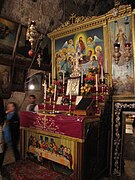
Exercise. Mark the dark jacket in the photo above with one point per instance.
(2, 112)
(14, 121)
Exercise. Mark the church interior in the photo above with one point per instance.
(67, 90)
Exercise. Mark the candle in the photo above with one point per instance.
(55, 93)
(96, 83)
(45, 88)
(49, 79)
(102, 75)
(63, 77)
(82, 77)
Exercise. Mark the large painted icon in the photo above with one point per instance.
(85, 47)
(42, 147)
(8, 30)
(5, 81)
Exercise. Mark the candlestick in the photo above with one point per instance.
(49, 79)
(55, 93)
(96, 83)
(82, 77)
(45, 91)
(102, 75)
(70, 93)
(70, 101)
(63, 77)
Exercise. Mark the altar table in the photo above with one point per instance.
(61, 139)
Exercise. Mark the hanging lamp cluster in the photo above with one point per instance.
(122, 44)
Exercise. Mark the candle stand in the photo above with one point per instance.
(54, 105)
(50, 100)
(97, 108)
(54, 99)
(44, 111)
(70, 108)
(63, 89)
(102, 85)
(96, 98)
(81, 85)
(45, 93)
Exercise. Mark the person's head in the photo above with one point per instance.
(11, 107)
(80, 38)
(89, 53)
(32, 99)
(93, 58)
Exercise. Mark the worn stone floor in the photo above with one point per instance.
(129, 173)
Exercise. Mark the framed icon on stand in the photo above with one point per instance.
(73, 85)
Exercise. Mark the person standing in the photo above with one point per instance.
(11, 129)
(32, 106)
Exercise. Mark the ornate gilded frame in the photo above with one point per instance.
(124, 11)
(83, 24)
(77, 25)
(120, 106)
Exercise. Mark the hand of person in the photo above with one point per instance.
(7, 111)
(5, 123)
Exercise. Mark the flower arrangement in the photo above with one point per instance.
(90, 80)
(85, 90)
(90, 76)
(50, 90)
(93, 70)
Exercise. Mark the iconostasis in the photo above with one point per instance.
(103, 45)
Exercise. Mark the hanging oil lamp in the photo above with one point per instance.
(127, 53)
(116, 53)
(32, 34)
(127, 48)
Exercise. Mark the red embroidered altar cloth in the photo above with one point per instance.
(72, 126)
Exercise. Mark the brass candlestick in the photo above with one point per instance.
(63, 93)
(54, 104)
(98, 109)
(63, 89)
(70, 108)
(102, 82)
(45, 93)
(96, 98)
(104, 87)
(44, 111)
(81, 85)
(50, 100)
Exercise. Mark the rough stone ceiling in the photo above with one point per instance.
(49, 14)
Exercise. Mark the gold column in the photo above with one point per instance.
(53, 60)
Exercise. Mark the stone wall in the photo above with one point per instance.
(49, 14)
(44, 12)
